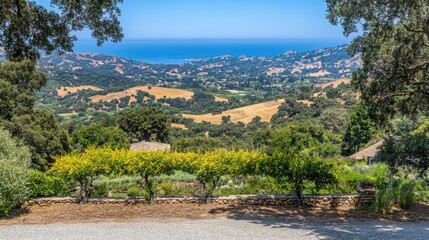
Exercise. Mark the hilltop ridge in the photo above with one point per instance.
(77, 69)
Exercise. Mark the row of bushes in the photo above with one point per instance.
(208, 167)
(238, 172)
(393, 191)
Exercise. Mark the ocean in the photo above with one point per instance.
(178, 51)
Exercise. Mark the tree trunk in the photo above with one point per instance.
(210, 190)
(85, 189)
(298, 191)
(149, 187)
(204, 188)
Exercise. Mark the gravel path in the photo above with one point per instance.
(221, 228)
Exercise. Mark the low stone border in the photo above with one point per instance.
(333, 200)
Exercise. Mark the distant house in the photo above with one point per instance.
(149, 146)
(370, 153)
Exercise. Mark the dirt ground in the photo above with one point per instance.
(76, 213)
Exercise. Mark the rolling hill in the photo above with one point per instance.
(245, 114)
(334, 84)
(64, 91)
(158, 92)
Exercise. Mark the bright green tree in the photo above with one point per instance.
(360, 130)
(148, 124)
(14, 166)
(307, 136)
(99, 136)
(44, 136)
(295, 157)
(298, 169)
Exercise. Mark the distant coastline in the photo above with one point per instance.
(178, 51)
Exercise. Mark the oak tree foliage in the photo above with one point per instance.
(26, 28)
(393, 41)
(37, 128)
(149, 124)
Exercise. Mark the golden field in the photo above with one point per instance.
(64, 91)
(158, 92)
(334, 84)
(264, 110)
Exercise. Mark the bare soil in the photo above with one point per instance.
(76, 213)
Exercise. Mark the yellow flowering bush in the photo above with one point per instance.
(208, 167)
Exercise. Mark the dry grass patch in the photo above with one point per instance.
(335, 83)
(306, 102)
(158, 92)
(264, 110)
(64, 91)
(179, 125)
(274, 71)
(320, 73)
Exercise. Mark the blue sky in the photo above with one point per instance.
(225, 19)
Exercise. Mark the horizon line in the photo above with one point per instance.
(222, 39)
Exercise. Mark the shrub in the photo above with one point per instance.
(43, 185)
(394, 193)
(134, 191)
(167, 189)
(406, 194)
(119, 183)
(100, 190)
(14, 163)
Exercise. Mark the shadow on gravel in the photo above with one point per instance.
(337, 223)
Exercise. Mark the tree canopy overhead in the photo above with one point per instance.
(394, 43)
(27, 28)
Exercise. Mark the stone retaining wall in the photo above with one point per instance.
(268, 200)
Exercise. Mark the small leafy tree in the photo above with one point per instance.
(14, 164)
(149, 165)
(294, 157)
(211, 166)
(85, 167)
(298, 169)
